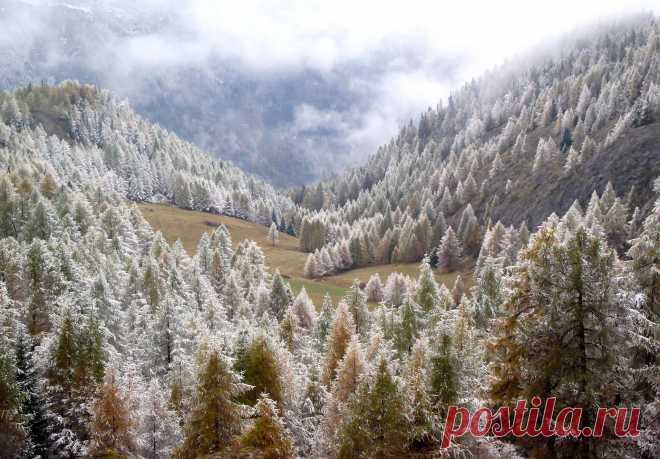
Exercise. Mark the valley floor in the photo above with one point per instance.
(188, 226)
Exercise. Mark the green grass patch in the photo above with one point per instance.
(317, 290)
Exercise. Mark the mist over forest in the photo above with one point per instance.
(289, 119)
(277, 230)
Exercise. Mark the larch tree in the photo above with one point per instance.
(111, 423)
(158, 425)
(558, 332)
(374, 288)
(356, 300)
(258, 365)
(290, 330)
(305, 310)
(89, 284)
(280, 296)
(427, 291)
(217, 272)
(311, 269)
(469, 231)
(48, 186)
(221, 240)
(449, 252)
(273, 234)
(458, 290)
(375, 424)
(643, 270)
(341, 331)
(443, 376)
(268, 437)
(396, 289)
(40, 275)
(215, 419)
(350, 370)
(12, 436)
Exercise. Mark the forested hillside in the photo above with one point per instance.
(270, 123)
(115, 343)
(79, 135)
(530, 139)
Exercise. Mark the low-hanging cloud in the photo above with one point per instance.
(385, 61)
(320, 34)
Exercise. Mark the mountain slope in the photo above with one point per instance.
(631, 162)
(115, 342)
(84, 136)
(287, 126)
(533, 138)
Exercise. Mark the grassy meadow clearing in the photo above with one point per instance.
(188, 226)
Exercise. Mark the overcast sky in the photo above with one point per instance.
(321, 34)
(407, 54)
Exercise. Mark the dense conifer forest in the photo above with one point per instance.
(540, 179)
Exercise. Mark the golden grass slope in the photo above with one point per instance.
(188, 226)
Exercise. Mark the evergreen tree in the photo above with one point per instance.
(487, 295)
(374, 289)
(273, 234)
(304, 309)
(449, 252)
(643, 331)
(356, 300)
(375, 425)
(280, 296)
(215, 419)
(32, 397)
(644, 260)
(75, 368)
(290, 330)
(438, 231)
(615, 223)
(182, 194)
(325, 319)
(558, 334)
(12, 436)
(427, 290)
(444, 383)
(259, 367)
(158, 430)
(409, 325)
(268, 438)
(421, 418)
